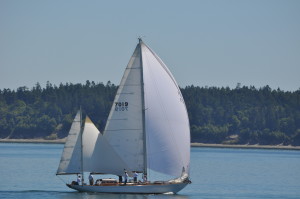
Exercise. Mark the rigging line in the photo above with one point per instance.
(61, 178)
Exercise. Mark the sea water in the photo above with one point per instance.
(28, 171)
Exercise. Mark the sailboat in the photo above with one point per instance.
(147, 130)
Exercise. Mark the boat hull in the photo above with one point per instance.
(138, 189)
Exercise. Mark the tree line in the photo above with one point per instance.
(243, 115)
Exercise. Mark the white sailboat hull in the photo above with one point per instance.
(137, 189)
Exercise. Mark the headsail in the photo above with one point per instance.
(98, 155)
(89, 137)
(167, 123)
(71, 156)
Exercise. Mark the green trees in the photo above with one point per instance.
(49, 112)
(209, 133)
(243, 115)
(254, 116)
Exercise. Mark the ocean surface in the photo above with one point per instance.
(28, 171)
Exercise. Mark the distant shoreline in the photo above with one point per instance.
(289, 147)
(38, 141)
(62, 141)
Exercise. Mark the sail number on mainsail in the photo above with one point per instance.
(121, 106)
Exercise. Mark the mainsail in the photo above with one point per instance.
(124, 127)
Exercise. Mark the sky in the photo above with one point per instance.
(203, 42)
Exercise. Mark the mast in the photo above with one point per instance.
(143, 109)
(81, 159)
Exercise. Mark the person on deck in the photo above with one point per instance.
(135, 175)
(145, 178)
(78, 179)
(120, 179)
(91, 179)
(125, 177)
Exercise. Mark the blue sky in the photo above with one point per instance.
(204, 43)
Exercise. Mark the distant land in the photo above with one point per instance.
(243, 116)
(237, 146)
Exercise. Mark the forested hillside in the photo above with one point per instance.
(244, 115)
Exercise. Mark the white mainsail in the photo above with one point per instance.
(124, 128)
(71, 156)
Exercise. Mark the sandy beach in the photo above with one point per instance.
(62, 141)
